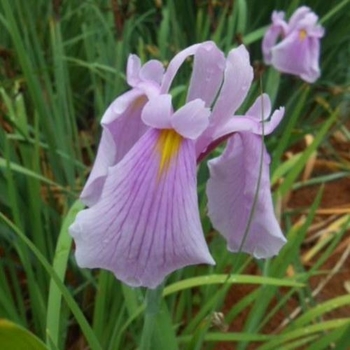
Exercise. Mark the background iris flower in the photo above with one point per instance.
(294, 47)
(142, 220)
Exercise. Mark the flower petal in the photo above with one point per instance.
(207, 75)
(257, 119)
(133, 70)
(105, 157)
(152, 71)
(238, 78)
(261, 108)
(120, 105)
(277, 29)
(298, 56)
(157, 112)
(122, 127)
(299, 14)
(174, 66)
(231, 190)
(146, 223)
(191, 119)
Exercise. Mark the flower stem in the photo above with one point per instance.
(153, 300)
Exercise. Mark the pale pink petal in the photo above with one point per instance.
(237, 80)
(133, 70)
(257, 119)
(122, 127)
(298, 16)
(120, 105)
(152, 71)
(298, 56)
(106, 155)
(207, 74)
(157, 112)
(175, 64)
(146, 224)
(299, 49)
(261, 108)
(273, 33)
(191, 119)
(231, 190)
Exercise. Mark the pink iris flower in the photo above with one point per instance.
(142, 220)
(294, 47)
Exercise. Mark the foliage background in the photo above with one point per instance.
(61, 64)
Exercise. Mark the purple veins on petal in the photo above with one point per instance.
(145, 226)
(248, 224)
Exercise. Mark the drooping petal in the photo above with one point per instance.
(157, 112)
(191, 119)
(299, 56)
(231, 191)
(207, 74)
(105, 157)
(120, 105)
(146, 223)
(127, 128)
(122, 127)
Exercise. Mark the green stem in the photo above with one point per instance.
(153, 300)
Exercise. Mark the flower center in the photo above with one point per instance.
(168, 146)
(302, 34)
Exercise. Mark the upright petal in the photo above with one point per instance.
(247, 222)
(207, 75)
(175, 64)
(133, 70)
(276, 30)
(152, 71)
(146, 223)
(238, 77)
(299, 14)
(237, 80)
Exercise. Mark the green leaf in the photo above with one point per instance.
(59, 265)
(77, 312)
(233, 279)
(15, 337)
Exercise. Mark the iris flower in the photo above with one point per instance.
(294, 47)
(142, 218)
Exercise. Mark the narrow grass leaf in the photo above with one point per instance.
(63, 249)
(85, 327)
